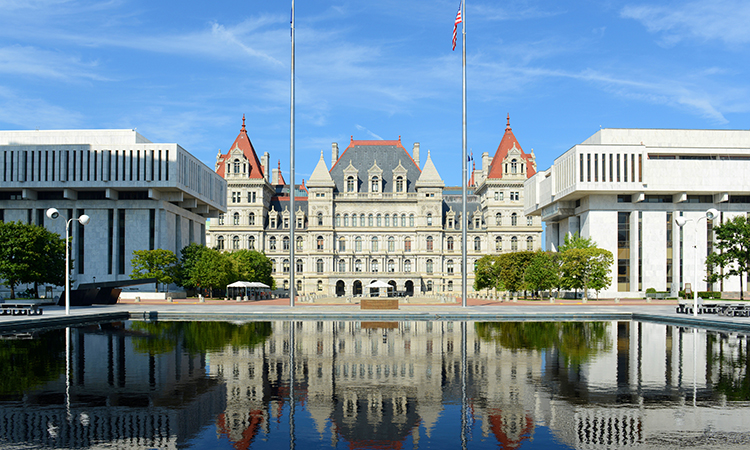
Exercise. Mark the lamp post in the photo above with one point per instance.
(681, 221)
(53, 214)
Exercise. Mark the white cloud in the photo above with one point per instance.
(31, 113)
(26, 60)
(369, 133)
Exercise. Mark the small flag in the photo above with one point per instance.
(455, 25)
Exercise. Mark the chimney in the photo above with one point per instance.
(485, 163)
(265, 160)
(275, 177)
(415, 153)
(334, 153)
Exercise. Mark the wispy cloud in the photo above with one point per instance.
(369, 133)
(26, 60)
(723, 20)
(27, 112)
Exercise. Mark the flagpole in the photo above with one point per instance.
(292, 224)
(464, 163)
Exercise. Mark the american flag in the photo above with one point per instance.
(455, 25)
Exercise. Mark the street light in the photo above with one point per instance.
(53, 214)
(681, 221)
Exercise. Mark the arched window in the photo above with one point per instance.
(251, 219)
(428, 266)
(391, 266)
(411, 220)
(338, 220)
(319, 266)
(299, 243)
(430, 243)
(407, 244)
(342, 265)
(346, 220)
(399, 184)
(449, 244)
(449, 266)
(395, 220)
(221, 218)
(498, 244)
(319, 243)
(407, 266)
(272, 243)
(391, 244)
(375, 184)
(286, 242)
(220, 243)
(378, 220)
(285, 264)
(374, 244)
(299, 266)
(513, 166)
(529, 243)
(236, 166)
(251, 243)
(370, 220)
(450, 286)
(350, 184)
(299, 285)
(236, 218)
(235, 243)
(320, 219)
(358, 265)
(514, 243)
(387, 220)
(429, 219)
(374, 266)
(320, 286)
(514, 219)
(342, 244)
(362, 220)
(358, 244)
(429, 286)
(403, 220)
(477, 244)
(498, 219)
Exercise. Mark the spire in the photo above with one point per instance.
(507, 125)
(320, 176)
(243, 124)
(507, 144)
(429, 176)
(242, 142)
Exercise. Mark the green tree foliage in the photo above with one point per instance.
(198, 337)
(586, 268)
(250, 265)
(487, 273)
(26, 364)
(190, 255)
(158, 263)
(512, 269)
(542, 272)
(30, 254)
(213, 269)
(732, 243)
(575, 241)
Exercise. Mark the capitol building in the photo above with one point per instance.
(379, 212)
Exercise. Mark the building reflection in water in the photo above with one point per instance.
(386, 385)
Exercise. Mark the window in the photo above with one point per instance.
(358, 244)
(235, 196)
(514, 243)
(342, 265)
(374, 265)
(319, 266)
(477, 244)
(378, 220)
(236, 166)
(387, 220)
(346, 220)
(449, 266)
(514, 219)
(320, 219)
(428, 266)
(449, 244)
(272, 243)
(358, 265)
(362, 220)
(251, 219)
(251, 243)
(273, 222)
(407, 266)
(450, 286)
(529, 243)
(399, 184)
(391, 266)
(220, 243)
(529, 221)
(320, 286)
(286, 242)
(319, 244)
(411, 220)
(350, 184)
(497, 195)
(273, 266)
(299, 243)
(301, 222)
(395, 219)
(221, 218)
(286, 222)
(429, 243)
(403, 220)
(374, 244)
(515, 196)
(342, 244)
(235, 243)
(299, 267)
(375, 184)
(429, 219)
(498, 244)
(391, 244)
(286, 265)
(407, 244)
(251, 197)
(513, 166)
(236, 218)
(370, 220)
(338, 220)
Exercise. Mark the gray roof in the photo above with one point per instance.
(363, 154)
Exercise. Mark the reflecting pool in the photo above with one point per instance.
(351, 385)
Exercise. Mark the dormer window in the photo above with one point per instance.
(399, 184)
(350, 184)
(236, 166)
(513, 166)
(375, 184)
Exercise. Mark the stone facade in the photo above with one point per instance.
(374, 215)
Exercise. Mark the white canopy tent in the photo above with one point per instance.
(247, 284)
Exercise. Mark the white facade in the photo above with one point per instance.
(624, 188)
(140, 195)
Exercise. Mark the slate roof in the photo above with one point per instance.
(363, 154)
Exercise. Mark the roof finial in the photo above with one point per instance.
(399, 138)
(279, 165)
(352, 138)
(507, 125)
(243, 123)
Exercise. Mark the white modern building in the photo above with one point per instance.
(625, 188)
(140, 195)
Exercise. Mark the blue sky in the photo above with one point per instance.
(185, 72)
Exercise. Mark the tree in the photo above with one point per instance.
(190, 255)
(512, 268)
(30, 254)
(213, 269)
(158, 263)
(575, 241)
(733, 251)
(487, 273)
(250, 265)
(542, 272)
(584, 268)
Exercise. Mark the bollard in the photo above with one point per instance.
(239, 299)
(169, 299)
(201, 299)
(617, 299)
(137, 299)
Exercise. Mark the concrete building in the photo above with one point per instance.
(625, 188)
(375, 214)
(140, 195)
